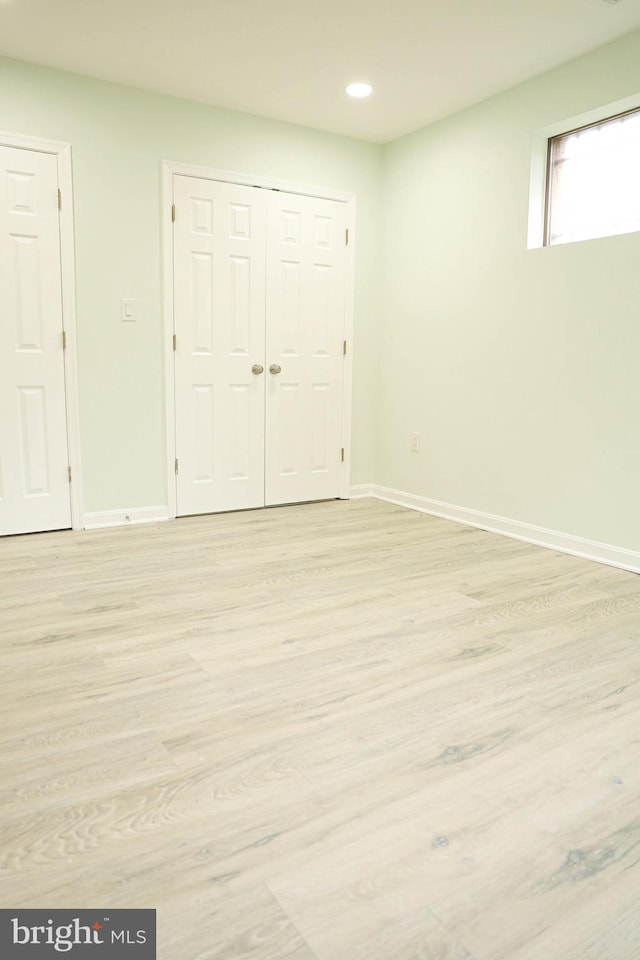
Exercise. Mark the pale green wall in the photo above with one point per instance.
(520, 368)
(118, 137)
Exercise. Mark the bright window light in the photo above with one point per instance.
(359, 89)
(593, 187)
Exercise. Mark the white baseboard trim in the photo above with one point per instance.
(540, 536)
(123, 518)
(359, 490)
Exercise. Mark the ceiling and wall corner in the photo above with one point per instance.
(515, 366)
(291, 59)
(518, 367)
(119, 136)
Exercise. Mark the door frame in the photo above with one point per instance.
(169, 169)
(62, 152)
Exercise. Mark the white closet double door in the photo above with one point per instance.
(259, 321)
(34, 458)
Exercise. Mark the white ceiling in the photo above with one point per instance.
(290, 59)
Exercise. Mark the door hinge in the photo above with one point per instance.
(64, 339)
(346, 237)
(59, 199)
(69, 473)
(173, 213)
(176, 466)
(344, 348)
(342, 455)
(175, 343)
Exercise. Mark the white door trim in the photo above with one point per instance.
(62, 152)
(168, 170)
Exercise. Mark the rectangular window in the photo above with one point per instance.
(593, 181)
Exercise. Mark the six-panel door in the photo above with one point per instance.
(219, 295)
(34, 478)
(259, 285)
(305, 335)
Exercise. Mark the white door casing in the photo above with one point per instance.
(286, 248)
(35, 459)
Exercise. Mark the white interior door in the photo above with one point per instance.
(306, 259)
(34, 477)
(219, 297)
(259, 320)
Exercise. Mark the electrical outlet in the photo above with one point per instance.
(415, 442)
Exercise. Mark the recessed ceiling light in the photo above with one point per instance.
(359, 89)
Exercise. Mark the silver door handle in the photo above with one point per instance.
(257, 368)
(275, 368)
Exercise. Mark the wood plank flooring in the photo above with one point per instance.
(336, 731)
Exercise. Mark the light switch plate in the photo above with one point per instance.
(127, 311)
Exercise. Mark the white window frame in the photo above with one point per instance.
(540, 162)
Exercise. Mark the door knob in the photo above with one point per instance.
(275, 368)
(257, 368)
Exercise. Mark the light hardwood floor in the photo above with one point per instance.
(337, 731)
